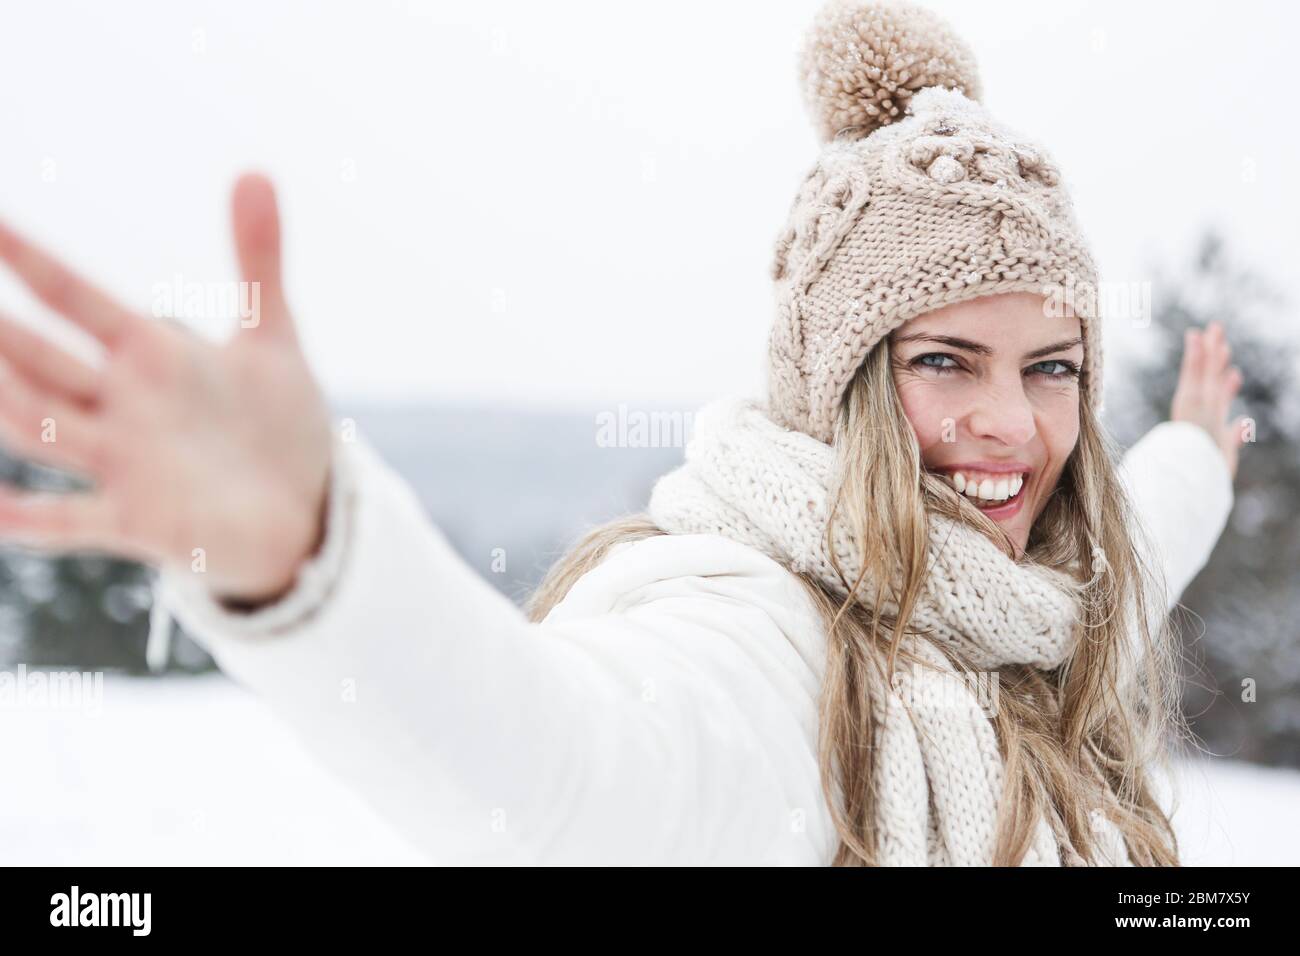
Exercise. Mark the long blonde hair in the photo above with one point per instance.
(1075, 741)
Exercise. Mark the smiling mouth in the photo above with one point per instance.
(985, 491)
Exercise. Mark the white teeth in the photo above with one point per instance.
(990, 489)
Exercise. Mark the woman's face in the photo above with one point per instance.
(991, 387)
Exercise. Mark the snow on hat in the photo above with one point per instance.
(919, 199)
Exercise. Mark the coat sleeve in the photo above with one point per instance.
(649, 736)
(1182, 493)
(1181, 490)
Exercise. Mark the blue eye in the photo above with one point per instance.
(943, 363)
(1067, 369)
(921, 361)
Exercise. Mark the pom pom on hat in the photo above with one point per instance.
(862, 62)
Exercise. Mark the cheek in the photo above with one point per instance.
(1058, 427)
(927, 411)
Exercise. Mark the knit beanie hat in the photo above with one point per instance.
(919, 199)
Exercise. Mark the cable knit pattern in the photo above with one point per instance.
(757, 482)
(919, 199)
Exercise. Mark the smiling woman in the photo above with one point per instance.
(769, 665)
(999, 405)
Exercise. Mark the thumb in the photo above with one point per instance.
(256, 223)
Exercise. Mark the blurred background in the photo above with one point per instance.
(510, 227)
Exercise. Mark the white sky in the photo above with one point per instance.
(577, 200)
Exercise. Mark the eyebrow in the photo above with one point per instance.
(980, 349)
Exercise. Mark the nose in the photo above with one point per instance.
(1002, 413)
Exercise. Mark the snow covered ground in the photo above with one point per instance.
(196, 771)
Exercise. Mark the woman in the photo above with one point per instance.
(902, 612)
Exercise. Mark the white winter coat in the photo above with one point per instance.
(663, 713)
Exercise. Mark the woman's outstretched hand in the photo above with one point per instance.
(209, 456)
(1206, 387)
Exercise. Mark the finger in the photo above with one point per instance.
(44, 427)
(44, 363)
(1217, 353)
(1232, 380)
(63, 290)
(1191, 367)
(55, 521)
(256, 223)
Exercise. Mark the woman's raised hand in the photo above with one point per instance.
(1206, 387)
(211, 456)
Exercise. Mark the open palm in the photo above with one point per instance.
(210, 455)
(1206, 387)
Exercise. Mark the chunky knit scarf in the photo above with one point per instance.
(940, 771)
